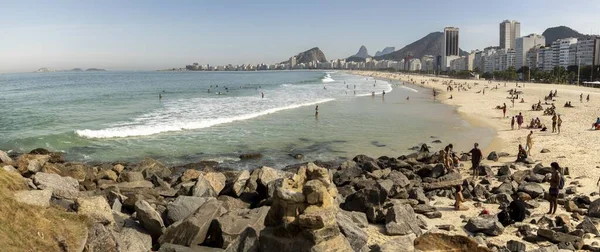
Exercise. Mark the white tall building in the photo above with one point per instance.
(546, 59)
(292, 61)
(415, 65)
(450, 47)
(509, 32)
(588, 51)
(533, 57)
(427, 63)
(562, 49)
(523, 45)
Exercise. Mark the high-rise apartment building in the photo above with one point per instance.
(588, 51)
(523, 45)
(450, 48)
(509, 32)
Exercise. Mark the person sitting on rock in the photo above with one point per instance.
(517, 210)
(459, 199)
(522, 154)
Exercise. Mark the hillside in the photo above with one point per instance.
(428, 45)
(387, 50)
(561, 32)
(362, 53)
(313, 54)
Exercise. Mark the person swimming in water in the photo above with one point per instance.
(208, 91)
(159, 96)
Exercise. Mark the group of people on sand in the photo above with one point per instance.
(537, 124)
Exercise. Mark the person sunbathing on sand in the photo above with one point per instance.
(596, 125)
(459, 199)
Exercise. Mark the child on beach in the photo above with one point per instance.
(512, 123)
(459, 199)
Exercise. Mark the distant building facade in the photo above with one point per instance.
(509, 32)
(523, 45)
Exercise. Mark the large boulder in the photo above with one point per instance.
(363, 199)
(149, 166)
(594, 209)
(588, 226)
(353, 232)
(403, 243)
(101, 239)
(131, 176)
(183, 206)
(345, 176)
(134, 239)
(217, 180)
(487, 225)
(31, 163)
(202, 188)
(237, 185)
(149, 218)
(493, 156)
(227, 229)
(446, 242)
(61, 187)
(4, 158)
(192, 230)
(559, 237)
(35, 197)
(533, 189)
(401, 220)
(96, 208)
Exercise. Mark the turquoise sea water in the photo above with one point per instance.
(109, 116)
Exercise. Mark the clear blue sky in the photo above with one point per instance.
(148, 35)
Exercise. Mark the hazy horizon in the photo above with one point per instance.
(151, 35)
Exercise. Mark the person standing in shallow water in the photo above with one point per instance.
(317, 110)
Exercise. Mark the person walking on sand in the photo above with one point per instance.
(555, 186)
(558, 123)
(476, 156)
(504, 110)
(581, 97)
(554, 117)
(588, 98)
(529, 143)
(519, 120)
(512, 123)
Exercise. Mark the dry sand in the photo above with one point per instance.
(576, 147)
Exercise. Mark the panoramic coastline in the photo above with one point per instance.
(222, 126)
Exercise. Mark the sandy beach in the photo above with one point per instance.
(575, 147)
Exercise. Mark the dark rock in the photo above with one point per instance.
(516, 246)
(588, 226)
(545, 151)
(533, 189)
(193, 229)
(182, 207)
(594, 209)
(446, 227)
(433, 215)
(247, 156)
(437, 171)
(228, 228)
(423, 208)
(558, 237)
(353, 232)
(493, 156)
(485, 170)
(535, 178)
(149, 218)
(236, 186)
(571, 190)
(363, 199)
(168, 247)
(489, 226)
(418, 194)
(401, 220)
(345, 176)
(504, 171)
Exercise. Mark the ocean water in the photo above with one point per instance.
(110, 116)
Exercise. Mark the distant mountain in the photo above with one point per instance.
(43, 70)
(560, 32)
(313, 54)
(362, 53)
(387, 50)
(95, 70)
(428, 45)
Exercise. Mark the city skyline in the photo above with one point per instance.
(155, 35)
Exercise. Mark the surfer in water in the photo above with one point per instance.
(208, 91)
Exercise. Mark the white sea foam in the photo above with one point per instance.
(146, 130)
(411, 89)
